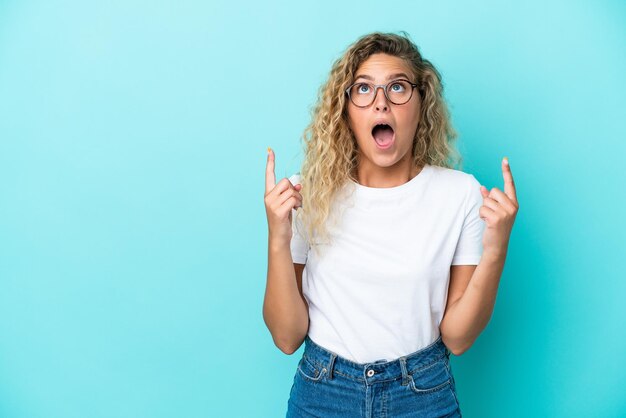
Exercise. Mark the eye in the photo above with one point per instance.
(359, 86)
(397, 87)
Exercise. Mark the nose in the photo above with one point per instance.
(380, 100)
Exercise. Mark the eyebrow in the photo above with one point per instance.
(367, 77)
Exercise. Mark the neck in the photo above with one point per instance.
(371, 175)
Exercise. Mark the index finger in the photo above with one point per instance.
(509, 185)
(270, 177)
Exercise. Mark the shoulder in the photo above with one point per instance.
(453, 179)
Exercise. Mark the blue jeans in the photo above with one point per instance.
(419, 384)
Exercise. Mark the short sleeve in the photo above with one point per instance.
(469, 248)
(299, 244)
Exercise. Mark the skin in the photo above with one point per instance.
(499, 211)
(285, 310)
(393, 166)
(473, 289)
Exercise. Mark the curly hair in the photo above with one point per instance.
(330, 146)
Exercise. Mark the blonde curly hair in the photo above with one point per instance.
(330, 146)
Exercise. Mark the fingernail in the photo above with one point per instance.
(506, 160)
(268, 149)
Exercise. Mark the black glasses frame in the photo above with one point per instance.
(384, 87)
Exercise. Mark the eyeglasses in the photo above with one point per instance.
(397, 92)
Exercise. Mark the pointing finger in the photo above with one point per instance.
(509, 185)
(270, 176)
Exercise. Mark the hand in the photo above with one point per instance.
(498, 211)
(280, 199)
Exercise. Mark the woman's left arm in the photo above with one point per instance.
(467, 315)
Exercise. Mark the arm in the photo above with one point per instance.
(285, 311)
(472, 292)
(471, 299)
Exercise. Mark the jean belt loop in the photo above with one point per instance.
(405, 377)
(331, 365)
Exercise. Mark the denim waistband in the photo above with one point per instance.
(377, 371)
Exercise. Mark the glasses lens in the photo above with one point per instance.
(362, 94)
(399, 92)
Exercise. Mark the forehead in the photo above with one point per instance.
(380, 66)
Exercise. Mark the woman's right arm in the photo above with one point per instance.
(285, 310)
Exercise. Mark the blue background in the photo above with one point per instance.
(133, 235)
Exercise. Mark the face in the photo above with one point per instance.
(403, 119)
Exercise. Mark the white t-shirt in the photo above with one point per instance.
(379, 289)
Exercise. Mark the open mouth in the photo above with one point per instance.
(383, 135)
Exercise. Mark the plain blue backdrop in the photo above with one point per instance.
(133, 234)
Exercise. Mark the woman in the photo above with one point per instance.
(371, 270)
